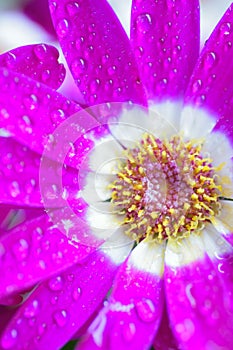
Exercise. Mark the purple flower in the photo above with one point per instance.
(137, 188)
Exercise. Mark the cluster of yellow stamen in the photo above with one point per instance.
(165, 189)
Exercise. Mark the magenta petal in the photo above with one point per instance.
(130, 319)
(19, 174)
(165, 339)
(98, 51)
(34, 251)
(31, 111)
(39, 62)
(211, 85)
(165, 37)
(61, 305)
(200, 307)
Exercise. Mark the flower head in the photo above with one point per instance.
(137, 187)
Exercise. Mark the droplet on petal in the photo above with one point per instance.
(143, 22)
(72, 8)
(60, 317)
(9, 339)
(129, 331)
(56, 283)
(146, 310)
(63, 28)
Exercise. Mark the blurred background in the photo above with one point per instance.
(28, 21)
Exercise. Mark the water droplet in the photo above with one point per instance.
(21, 249)
(4, 113)
(94, 85)
(25, 124)
(112, 70)
(52, 6)
(139, 51)
(56, 283)
(10, 60)
(72, 8)
(54, 300)
(14, 189)
(31, 102)
(9, 338)
(62, 28)
(129, 330)
(32, 309)
(146, 310)
(197, 85)
(60, 317)
(143, 23)
(210, 60)
(78, 65)
(40, 51)
(41, 328)
(225, 28)
(76, 293)
(46, 75)
(57, 116)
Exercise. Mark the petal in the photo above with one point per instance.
(98, 51)
(34, 251)
(39, 62)
(131, 317)
(198, 286)
(211, 86)
(61, 305)
(19, 174)
(165, 339)
(31, 111)
(165, 37)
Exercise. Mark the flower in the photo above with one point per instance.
(144, 175)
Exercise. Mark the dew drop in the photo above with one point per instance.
(94, 85)
(40, 51)
(31, 102)
(62, 28)
(42, 328)
(143, 23)
(139, 51)
(46, 75)
(146, 310)
(78, 65)
(112, 70)
(210, 60)
(72, 8)
(10, 60)
(9, 338)
(197, 85)
(225, 28)
(56, 283)
(60, 317)
(129, 331)
(32, 309)
(25, 124)
(52, 6)
(21, 249)
(76, 293)
(4, 113)
(14, 189)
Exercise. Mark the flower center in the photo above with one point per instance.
(165, 189)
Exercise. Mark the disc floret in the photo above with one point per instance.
(165, 189)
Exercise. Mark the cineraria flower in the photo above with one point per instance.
(135, 249)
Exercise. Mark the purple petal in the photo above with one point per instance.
(39, 62)
(61, 305)
(165, 339)
(31, 111)
(131, 317)
(211, 85)
(199, 293)
(34, 251)
(19, 179)
(165, 37)
(98, 51)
